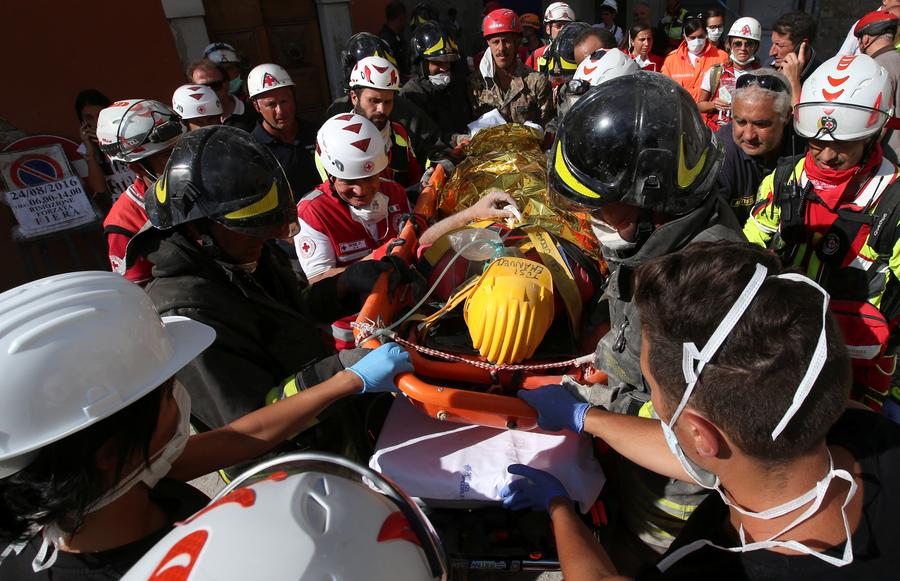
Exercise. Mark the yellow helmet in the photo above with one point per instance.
(510, 309)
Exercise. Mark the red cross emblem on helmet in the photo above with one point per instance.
(746, 30)
(268, 80)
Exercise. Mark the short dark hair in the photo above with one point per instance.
(90, 97)
(692, 24)
(394, 10)
(205, 63)
(637, 29)
(750, 382)
(797, 26)
(64, 480)
(712, 13)
(606, 38)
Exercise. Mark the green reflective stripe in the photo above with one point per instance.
(646, 410)
(398, 139)
(290, 388)
(323, 175)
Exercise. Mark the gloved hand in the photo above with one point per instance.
(534, 491)
(891, 410)
(360, 277)
(379, 368)
(449, 168)
(557, 408)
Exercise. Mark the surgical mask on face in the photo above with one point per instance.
(150, 474)
(440, 79)
(736, 60)
(692, 365)
(696, 45)
(374, 211)
(714, 34)
(641, 62)
(609, 236)
(234, 85)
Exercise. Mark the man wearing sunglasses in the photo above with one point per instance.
(759, 135)
(234, 112)
(834, 213)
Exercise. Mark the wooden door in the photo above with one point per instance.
(285, 32)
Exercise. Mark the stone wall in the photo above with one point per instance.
(835, 17)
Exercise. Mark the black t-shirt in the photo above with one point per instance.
(297, 159)
(178, 499)
(875, 443)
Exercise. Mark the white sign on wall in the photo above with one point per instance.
(50, 207)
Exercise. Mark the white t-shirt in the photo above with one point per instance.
(707, 78)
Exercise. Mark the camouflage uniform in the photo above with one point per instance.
(528, 98)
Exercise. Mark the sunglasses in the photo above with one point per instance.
(214, 85)
(743, 43)
(768, 82)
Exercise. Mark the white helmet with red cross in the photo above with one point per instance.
(848, 98)
(559, 12)
(133, 129)
(375, 72)
(351, 147)
(192, 101)
(302, 516)
(267, 77)
(746, 27)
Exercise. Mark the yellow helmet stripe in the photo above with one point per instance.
(268, 203)
(562, 170)
(686, 175)
(566, 64)
(161, 193)
(435, 47)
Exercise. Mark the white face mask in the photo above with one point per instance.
(696, 45)
(150, 474)
(375, 211)
(740, 62)
(714, 34)
(609, 236)
(692, 365)
(440, 79)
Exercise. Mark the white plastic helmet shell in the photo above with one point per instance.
(611, 4)
(307, 526)
(133, 129)
(192, 101)
(351, 147)
(221, 52)
(375, 72)
(847, 98)
(746, 27)
(267, 77)
(559, 12)
(76, 348)
(613, 63)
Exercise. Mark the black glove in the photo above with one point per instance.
(360, 277)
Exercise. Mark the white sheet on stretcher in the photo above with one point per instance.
(431, 459)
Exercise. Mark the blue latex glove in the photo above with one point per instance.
(534, 491)
(379, 368)
(891, 410)
(557, 408)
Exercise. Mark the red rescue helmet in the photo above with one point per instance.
(501, 21)
(876, 23)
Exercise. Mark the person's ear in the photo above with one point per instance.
(703, 436)
(256, 105)
(354, 98)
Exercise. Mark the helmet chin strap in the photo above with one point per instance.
(644, 227)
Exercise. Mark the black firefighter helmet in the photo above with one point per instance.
(638, 140)
(223, 174)
(361, 45)
(561, 52)
(431, 42)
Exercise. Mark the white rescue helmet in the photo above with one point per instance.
(192, 101)
(559, 12)
(303, 516)
(848, 98)
(610, 4)
(77, 348)
(221, 52)
(599, 68)
(267, 77)
(375, 72)
(351, 147)
(133, 129)
(746, 27)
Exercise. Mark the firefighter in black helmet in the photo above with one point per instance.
(636, 156)
(435, 85)
(560, 55)
(216, 209)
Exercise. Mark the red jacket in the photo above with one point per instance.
(124, 220)
(533, 59)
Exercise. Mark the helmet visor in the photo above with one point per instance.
(142, 124)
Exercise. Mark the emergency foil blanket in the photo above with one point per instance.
(465, 465)
(509, 157)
